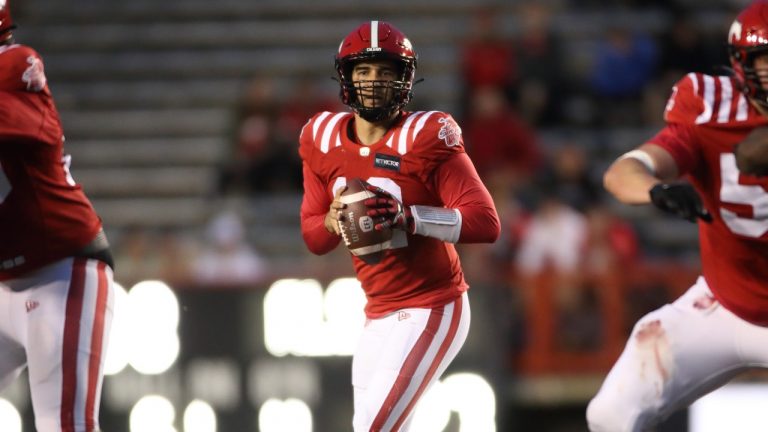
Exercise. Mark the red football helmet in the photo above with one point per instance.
(6, 23)
(376, 40)
(748, 38)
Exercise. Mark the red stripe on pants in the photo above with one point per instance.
(457, 305)
(74, 309)
(94, 363)
(409, 367)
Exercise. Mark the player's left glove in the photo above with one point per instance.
(680, 199)
(388, 211)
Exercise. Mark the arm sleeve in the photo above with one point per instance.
(314, 206)
(460, 187)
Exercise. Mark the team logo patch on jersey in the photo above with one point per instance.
(31, 305)
(34, 76)
(450, 132)
(388, 162)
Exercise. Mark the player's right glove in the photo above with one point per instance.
(680, 199)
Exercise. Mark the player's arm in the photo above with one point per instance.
(647, 175)
(462, 190)
(469, 215)
(319, 231)
(752, 153)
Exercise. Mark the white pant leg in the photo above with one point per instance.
(399, 357)
(63, 316)
(674, 355)
(12, 357)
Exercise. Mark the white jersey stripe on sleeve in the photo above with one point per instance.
(420, 124)
(743, 109)
(692, 77)
(708, 99)
(325, 143)
(318, 122)
(389, 141)
(402, 144)
(726, 100)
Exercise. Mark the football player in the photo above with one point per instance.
(719, 327)
(56, 289)
(427, 190)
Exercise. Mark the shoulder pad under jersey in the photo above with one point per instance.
(700, 99)
(21, 69)
(432, 134)
(321, 132)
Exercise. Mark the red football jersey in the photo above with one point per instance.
(44, 215)
(706, 116)
(420, 160)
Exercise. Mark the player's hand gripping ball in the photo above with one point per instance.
(357, 228)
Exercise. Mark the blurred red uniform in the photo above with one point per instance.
(719, 327)
(55, 266)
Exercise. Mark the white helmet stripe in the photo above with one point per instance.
(374, 34)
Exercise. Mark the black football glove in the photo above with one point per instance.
(388, 211)
(680, 199)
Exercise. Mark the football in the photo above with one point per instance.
(356, 226)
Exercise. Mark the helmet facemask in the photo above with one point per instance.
(376, 100)
(743, 62)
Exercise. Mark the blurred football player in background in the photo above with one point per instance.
(56, 289)
(719, 327)
(427, 190)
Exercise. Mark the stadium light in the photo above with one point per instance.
(152, 414)
(302, 320)
(290, 415)
(199, 417)
(154, 315)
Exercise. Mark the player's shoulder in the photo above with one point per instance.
(323, 131)
(699, 99)
(424, 132)
(16, 52)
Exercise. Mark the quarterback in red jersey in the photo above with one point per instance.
(719, 327)
(55, 264)
(427, 190)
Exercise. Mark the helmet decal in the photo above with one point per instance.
(734, 34)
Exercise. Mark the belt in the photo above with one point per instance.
(98, 248)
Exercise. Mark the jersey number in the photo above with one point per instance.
(747, 214)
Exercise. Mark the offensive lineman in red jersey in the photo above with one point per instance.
(427, 189)
(56, 288)
(719, 327)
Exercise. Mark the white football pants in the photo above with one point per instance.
(675, 355)
(399, 357)
(55, 321)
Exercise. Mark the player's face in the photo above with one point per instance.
(761, 67)
(371, 80)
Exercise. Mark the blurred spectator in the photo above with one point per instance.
(625, 63)
(684, 50)
(500, 144)
(248, 168)
(228, 258)
(568, 171)
(542, 83)
(611, 242)
(487, 56)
